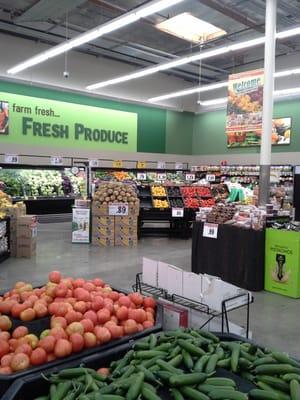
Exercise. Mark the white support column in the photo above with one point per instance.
(269, 67)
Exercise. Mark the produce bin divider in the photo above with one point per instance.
(144, 288)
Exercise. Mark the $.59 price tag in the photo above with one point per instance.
(118, 209)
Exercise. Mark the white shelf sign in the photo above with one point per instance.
(210, 230)
(161, 165)
(161, 177)
(11, 159)
(179, 166)
(141, 176)
(118, 209)
(190, 177)
(177, 212)
(94, 163)
(210, 178)
(56, 160)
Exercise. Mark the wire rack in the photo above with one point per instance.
(227, 305)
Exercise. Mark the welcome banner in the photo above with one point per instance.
(41, 122)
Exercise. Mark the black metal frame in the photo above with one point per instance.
(144, 288)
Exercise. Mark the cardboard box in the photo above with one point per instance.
(25, 221)
(103, 221)
(131, 221)
(175, 280)
(26, 248)
(125, 230)
(128, 241)
(192, 286)
(149, 270)
(103, 231)
(103, 241)
(29, 232)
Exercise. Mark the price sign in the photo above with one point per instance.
(141, 176)
(117, 164)
(190, 177)
(141, 164)
(94, 163)
(55, 160)
(118, 209)
(210, 178)
(11, 159)
(161, 177)
(177, 212)
(210, 230)
(161, 165)
(179, 166)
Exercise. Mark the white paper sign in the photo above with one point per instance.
(94, 163)
(81, 225)
(177, 212)
(118, 209)
(150, 271)
(161, 177)
(178, 166)
(161, 165)
(11, 159)
(141, 176)
(210, 178)
(190, 177)
(210, 230)
(55, 160)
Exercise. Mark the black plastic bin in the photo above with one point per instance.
(32, 386)
(7, 380)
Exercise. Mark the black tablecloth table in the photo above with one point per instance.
(236, 256)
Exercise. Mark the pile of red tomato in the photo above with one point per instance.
(84, 314)
(207, 202)
(191, 202)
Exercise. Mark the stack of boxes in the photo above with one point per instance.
(110, 230)
(23, 231)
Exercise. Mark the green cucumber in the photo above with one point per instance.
(220, 382)
(263, 395)
(201, 362)
(295, 389)
(211, 364)
(187, 379)
(229, 394)
(193, 394)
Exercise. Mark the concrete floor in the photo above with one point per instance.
(273, 318)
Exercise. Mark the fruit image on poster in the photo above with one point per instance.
(282, 262)
(244, 108)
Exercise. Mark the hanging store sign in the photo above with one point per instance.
(34, 121)
(244, 108)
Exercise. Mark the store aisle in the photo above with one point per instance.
(273, 318)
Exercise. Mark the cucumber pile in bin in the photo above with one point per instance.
(184, 364)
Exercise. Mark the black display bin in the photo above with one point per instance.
(34, 385)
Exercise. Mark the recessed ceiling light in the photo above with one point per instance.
(190, 28)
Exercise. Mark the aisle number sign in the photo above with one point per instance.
(117, 164)
(56, 160)
(11, 159)
(118, 209)
(177, 212)
(141, 165)
(210, 230)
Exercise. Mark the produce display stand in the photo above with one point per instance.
(228, 305)
(5, 254)
(34, 385)
(236, 255)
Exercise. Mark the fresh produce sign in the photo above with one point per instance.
(41, 122)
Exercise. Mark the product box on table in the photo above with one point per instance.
(98, 221)
(129, 221)
(103, 241)
(104, 231)
(125, 230)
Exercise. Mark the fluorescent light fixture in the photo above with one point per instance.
(189, 59)
(190, 28)
(277, 93)
(214, 86)
(95, 33)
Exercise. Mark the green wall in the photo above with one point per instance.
(209, 131)
(159, 131)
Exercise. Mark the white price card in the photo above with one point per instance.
(94, 163)
(56, 160)
(161, 165)
(210, 178)
(179, 166)
(11, 159)
(118, 209)
(141, 176)
(161, 177)
(177, 212)
(190, 177)
(210, 230)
